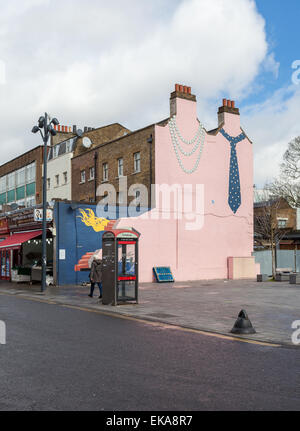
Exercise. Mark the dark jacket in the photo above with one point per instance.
(96, 271)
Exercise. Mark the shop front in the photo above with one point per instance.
(11, 254)
(21, 251)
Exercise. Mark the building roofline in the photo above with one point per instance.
(215, 131)
(120, 138)
(21, 155)
(89, 131)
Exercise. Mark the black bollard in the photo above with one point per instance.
(243, 325)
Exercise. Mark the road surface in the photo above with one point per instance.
(60, 358)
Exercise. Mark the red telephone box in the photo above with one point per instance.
(120, 266)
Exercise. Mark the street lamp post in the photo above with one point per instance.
(45, 128)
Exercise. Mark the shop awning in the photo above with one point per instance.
(15, 241)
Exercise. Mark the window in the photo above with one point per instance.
(105, 171)
(120, 167)
(20, 177)
(30, 189)
(92, 173)
(282, 223)
(11, 196)
(65, 175)
(50, 154)
(69, 145)
(137, 162)
(56, 180)
(2, 198)
(55, 150)
(82, 176)
(48, 183)
(20, 193)
(62, 148)
(3, 184)
(11, 181)
(137, 195)
(30, 173)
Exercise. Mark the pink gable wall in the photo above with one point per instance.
(202, 253)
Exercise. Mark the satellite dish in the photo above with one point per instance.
(86, 142)
(79, 133)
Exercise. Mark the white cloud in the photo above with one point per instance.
(271, 65)
(96, 62)
(272, 125)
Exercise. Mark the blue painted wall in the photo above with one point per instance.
(77, 239)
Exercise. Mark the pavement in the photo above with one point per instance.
(209, 306)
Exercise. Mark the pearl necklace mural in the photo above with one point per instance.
(198, 140)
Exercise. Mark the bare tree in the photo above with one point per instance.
(287, 185)
(267, 233)
(290, 167)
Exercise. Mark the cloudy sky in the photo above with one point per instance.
(95, 62)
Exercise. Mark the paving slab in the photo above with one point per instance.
(211, 306)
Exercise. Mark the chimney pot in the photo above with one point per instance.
(181, 88)
(233, 104)
(176, 87)
(229, 103)
(189, 90)
(185, 89)
(224, 102)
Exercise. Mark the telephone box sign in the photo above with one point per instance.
(127, 235)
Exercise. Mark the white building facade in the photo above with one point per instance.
(59, 180)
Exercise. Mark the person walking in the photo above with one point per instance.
(96, 276)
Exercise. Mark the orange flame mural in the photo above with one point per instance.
(89, 219)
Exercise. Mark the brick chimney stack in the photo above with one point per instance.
(182, 92)
(228, 107)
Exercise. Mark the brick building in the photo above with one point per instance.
(284, 218)
(21, 179)
(130, 155)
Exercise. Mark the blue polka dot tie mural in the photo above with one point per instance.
(234, 193)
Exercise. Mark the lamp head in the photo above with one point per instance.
(41, 122)
(55, 121)
(35, 129)
(51, 130)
